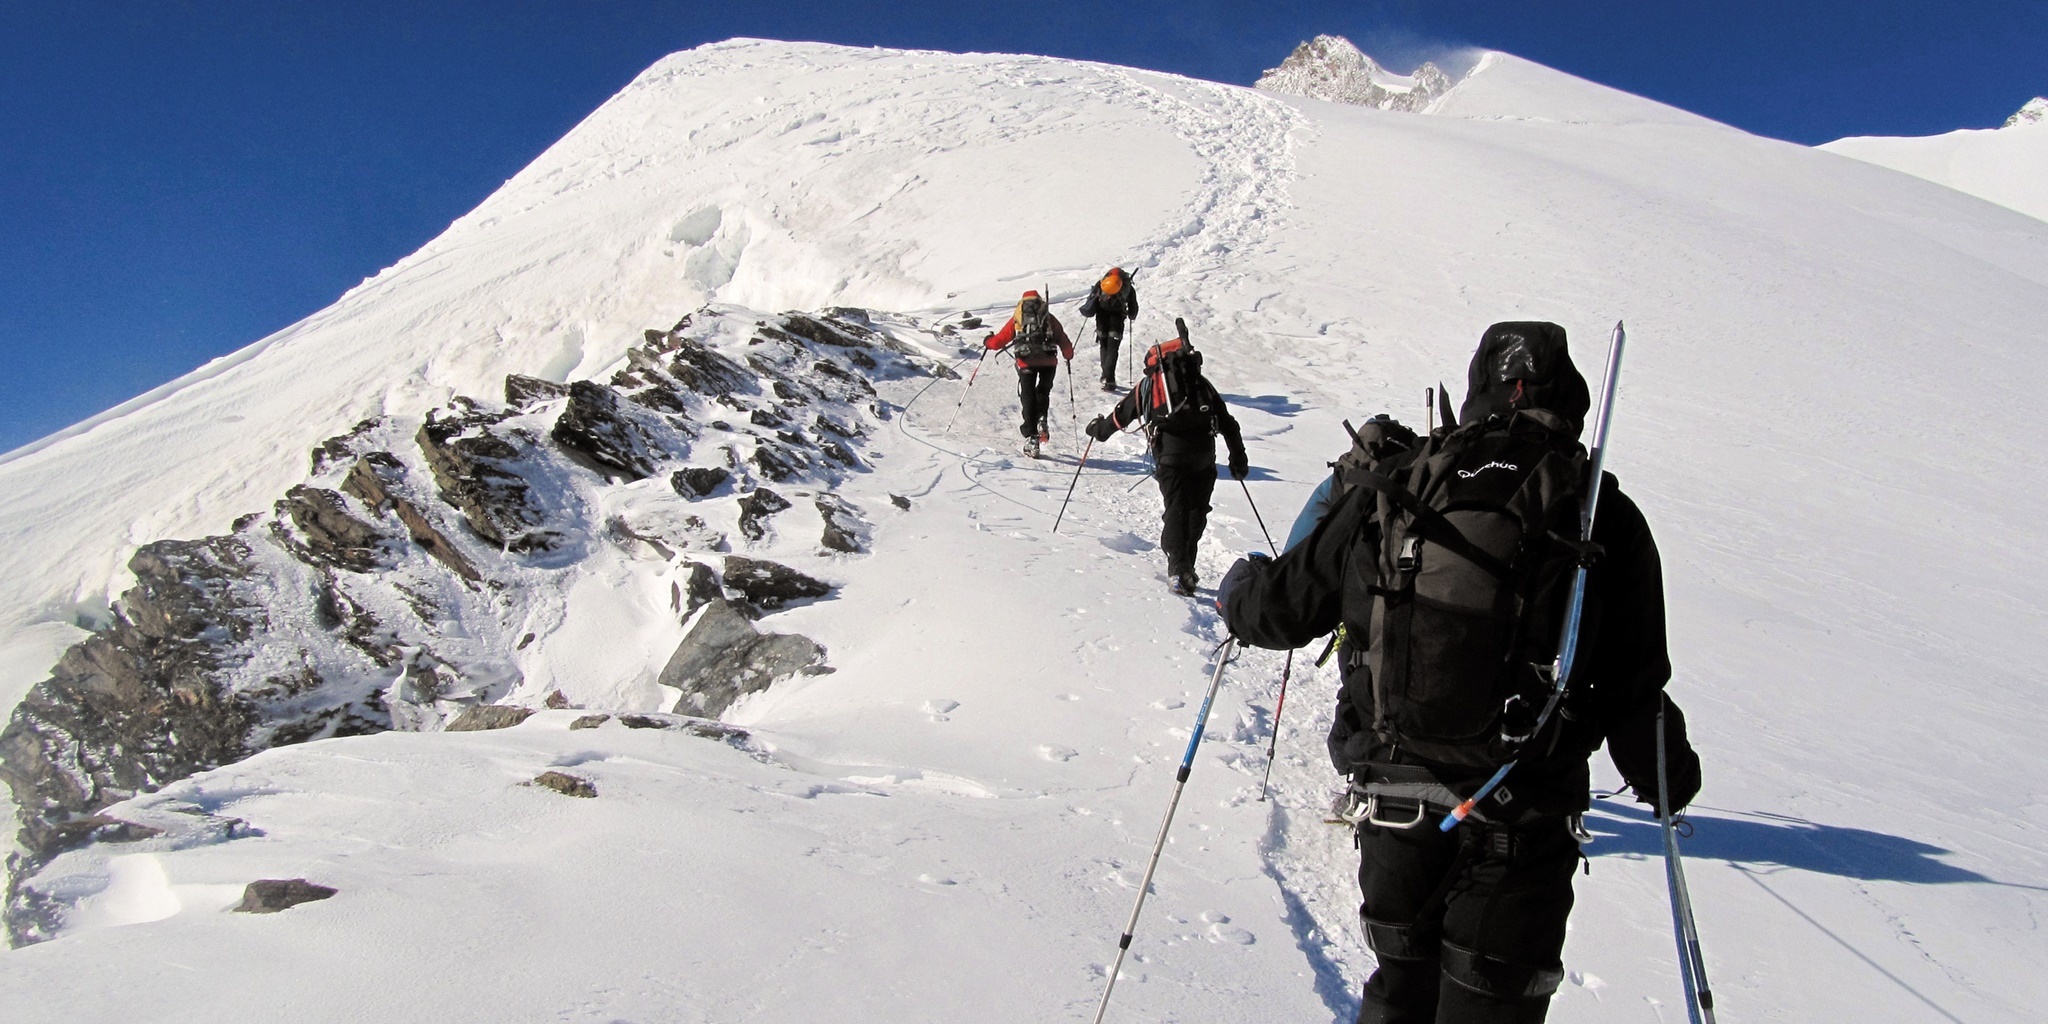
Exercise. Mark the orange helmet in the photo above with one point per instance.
(1113, 282)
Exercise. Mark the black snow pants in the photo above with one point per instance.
(1109, 333)
(1034, 388)
(1186, 488)
(1467, 925)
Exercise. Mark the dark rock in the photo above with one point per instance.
(484, 717)
(844, 529)
(523, 392)
(779, 462)
(138, 705)
(770, 585)
(343, 449)
(699, 482)
(270, 895)
(332, 535)
(557, 701)
(643, 722)
(700, 588)
(594, 428)
(723, 658)
(471, 465)
(838, 383)
(704, 371)
(658, 397)
(589, 721)
(968, 323)
(766, 418)
(374, 481)
(756, 506)
(97, 828)
(831, 425)
(565, 784)
(900, 501)
(841, 454)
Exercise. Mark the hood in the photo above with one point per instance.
(1525, 365)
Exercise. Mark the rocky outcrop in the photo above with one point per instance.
(723, 658)
(486, 717)
(845, 530)
(1331, 68)
(270, 895)
(333, 535)
(392, 587)
(473, 468)
(767, 585)
(565, 784)
(595, 428)
(523, 392)
(699, 481)
(755, 507)
(371, 481)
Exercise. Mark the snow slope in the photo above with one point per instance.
(1819, 416)
(2007, 165)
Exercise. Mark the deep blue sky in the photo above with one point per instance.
(180, 179)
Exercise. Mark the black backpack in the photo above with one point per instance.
(1470, 581)
(1033, 339)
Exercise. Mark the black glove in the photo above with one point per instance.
(1256, 561)
(1100, 429)
(1240, 467)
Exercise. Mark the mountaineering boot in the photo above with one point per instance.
(1031, 447)
(1182, 583)
(1110, 386)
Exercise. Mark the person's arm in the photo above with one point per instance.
(1002, 337)
(1090, 304)
(1059, 334)
(1284, 603)
(1226, 424)
(1313, 512)
(1130, 300)
(1631, 663)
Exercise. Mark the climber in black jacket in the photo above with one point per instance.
(1468, 925)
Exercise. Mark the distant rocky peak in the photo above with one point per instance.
(2035, 112)
(1331, 68)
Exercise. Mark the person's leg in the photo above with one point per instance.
(1027, 397)
(1202, 487)
(1173, 522)
(1400, 872)
(1503, 927)
(1045, 380)
(1112, 337)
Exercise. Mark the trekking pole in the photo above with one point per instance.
(1560, 670)
(1692, 967)
(1070, 484)
(1073, 414)
(1255, 515)
(1274, 743)
(1180, 782)
(957, 406)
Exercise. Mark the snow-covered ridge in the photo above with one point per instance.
(1333, 68)
(2007, 165)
